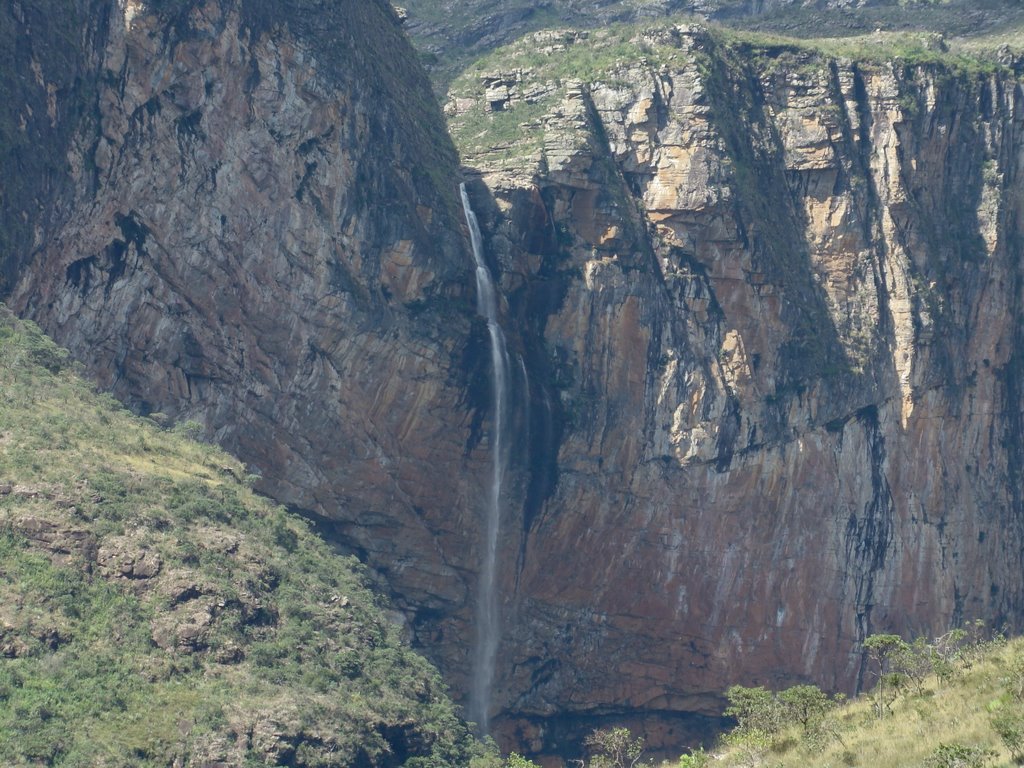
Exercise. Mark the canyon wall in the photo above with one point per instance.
(772, 302)
(763, 310)
(259, 228)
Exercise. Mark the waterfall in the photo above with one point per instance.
(488, 628)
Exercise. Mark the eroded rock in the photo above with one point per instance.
(126, 558)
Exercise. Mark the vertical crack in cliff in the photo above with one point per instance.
(869, 535)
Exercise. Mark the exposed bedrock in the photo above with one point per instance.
(261, 230)
(763, 319)
(777, 309)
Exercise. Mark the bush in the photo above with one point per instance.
(805, 704)
(518, 761)
(1008, 724)
(756, 710)
(697, 758)
(614, 748)
(959, 756)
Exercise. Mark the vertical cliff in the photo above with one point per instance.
(259, 227)
(762, 305)
(772, 298)
(50, 63)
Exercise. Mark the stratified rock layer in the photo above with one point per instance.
(763, 315)
(776, 303)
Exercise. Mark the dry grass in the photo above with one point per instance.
(956, 712)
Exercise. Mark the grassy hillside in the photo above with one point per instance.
(962, 708)
(973, 715)
(155, 612)
(958, 20)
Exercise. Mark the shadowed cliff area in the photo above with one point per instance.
(761, 298)
(156, 612)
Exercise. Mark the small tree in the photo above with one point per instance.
(1008, 723)
(947, 654)
(758, 721)
(880, 649)
(756, 710)
(614, 748)
(913, 662)
(1015, 678)
(805, 704)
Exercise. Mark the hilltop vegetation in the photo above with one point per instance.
(545, 66)
(959, 21)
(449, 41)
(156, 612)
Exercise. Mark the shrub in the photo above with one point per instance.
(959, 756)
(805, 704)
(1008, 724)
(756, 710)
(614, 748)
(697, 758)
(518, 761)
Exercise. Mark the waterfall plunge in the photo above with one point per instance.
(485, 647)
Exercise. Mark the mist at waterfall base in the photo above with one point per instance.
(488, 622)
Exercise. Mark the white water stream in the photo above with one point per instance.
(488, 623)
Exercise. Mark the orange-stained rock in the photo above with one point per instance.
(787, 391)
(765, 330)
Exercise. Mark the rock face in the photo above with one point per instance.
(49, 54)
(261, 231)
(764, 314)
(772, 310)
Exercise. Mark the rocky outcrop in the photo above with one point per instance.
(771, 304)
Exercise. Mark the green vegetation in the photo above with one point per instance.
(964, 23)
(614, 748)
(954, 702)
(548, 68)
(951, 702)
(155, 611)
(450, 44)
(548, 64)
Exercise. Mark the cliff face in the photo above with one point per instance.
(262, 231)
(772, 301)
(49, 57)
(763, 311)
